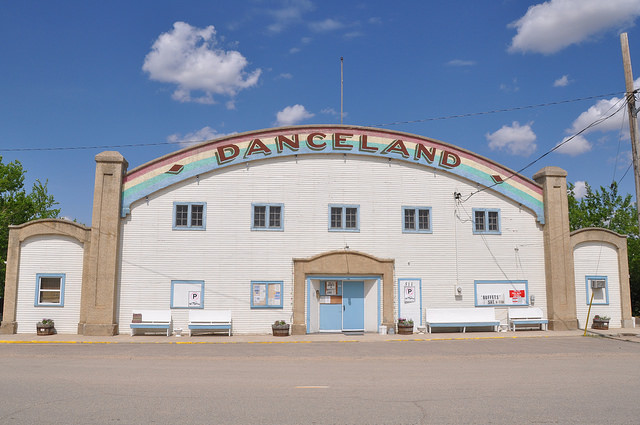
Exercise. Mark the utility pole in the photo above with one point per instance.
(341, 86)
(633, 114)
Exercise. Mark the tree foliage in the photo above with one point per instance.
(608, 209)
(18, 206)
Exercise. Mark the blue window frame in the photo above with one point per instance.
(266, 294)
(187, 294)
(267, 217)
(416, 220)
(189, 215)
(50, 289)
(486, 221)
(599, 287)
(344, 218)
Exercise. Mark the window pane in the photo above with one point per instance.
(259, 216)
(196, 215)
(598, 294)
(182, 212)
(274, 216)
(479, 219)
(50, 283)
(336, 217)
(409, 219)
(493, 221)
(423, 219)
(52, 297)
(351, 218)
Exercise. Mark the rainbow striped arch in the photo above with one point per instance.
(308, 140)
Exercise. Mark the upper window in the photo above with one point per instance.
(416, 220)
(599, 287)
(189, 215)
(344, 218)
(267, 217)
(50, 290)
(486, 221)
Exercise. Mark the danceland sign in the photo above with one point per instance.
(322, 140)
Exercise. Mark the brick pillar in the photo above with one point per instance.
(558, 254)
(100, 276)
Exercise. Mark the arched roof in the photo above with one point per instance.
(324, 139)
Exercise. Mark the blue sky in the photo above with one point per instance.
(78, 74)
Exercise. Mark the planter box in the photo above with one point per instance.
(405, 330)
(600, 324)
(280, 330)
(45, 330)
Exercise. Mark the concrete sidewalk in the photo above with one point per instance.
(627, 334)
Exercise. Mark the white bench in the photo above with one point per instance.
(527, 316)
(210, 320)
(151, 320)
(461, 318)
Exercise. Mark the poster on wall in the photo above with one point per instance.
(331, 287)
(409, 306)
(496, 293)
(259, 294)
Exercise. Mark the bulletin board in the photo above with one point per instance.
(187, 294)
(501, 293)
(266, 294)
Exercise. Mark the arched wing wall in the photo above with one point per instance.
(293, 141)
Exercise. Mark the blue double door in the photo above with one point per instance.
(347, 316)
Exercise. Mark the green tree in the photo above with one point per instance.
(608, 209)
(17, 206)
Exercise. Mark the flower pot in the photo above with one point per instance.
(405, 329)
(280, 330)
(45, 329)
(600, 324)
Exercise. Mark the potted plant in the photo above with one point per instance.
(280, 328)
(45, 327)
(405, 326)
(600, 322)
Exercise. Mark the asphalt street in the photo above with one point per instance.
(559, 380)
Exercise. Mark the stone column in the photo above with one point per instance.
(558, 255)
(100, 277)
(9, 324)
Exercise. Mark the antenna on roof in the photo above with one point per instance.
(341, 87)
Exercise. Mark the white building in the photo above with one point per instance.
(331, 228)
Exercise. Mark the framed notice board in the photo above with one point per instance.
(187, 294)
(501, 293)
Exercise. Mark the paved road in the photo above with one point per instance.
(561, 380)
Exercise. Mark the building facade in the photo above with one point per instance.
(331, 228)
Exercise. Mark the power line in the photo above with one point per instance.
(471, 114)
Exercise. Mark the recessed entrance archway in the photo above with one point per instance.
(341, 263)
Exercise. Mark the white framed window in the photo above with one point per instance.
(187, 294)
(486, 221)
(416, 220)
(267, 217)
(50, 290)
(266, 294)
(189, 215)
(599, 287)
(344, 218)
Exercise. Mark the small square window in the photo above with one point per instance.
(267, 217)
(189, 215)
(416, 219)
(598, 286)
(49, 290)
(345, 218)
(486, 221)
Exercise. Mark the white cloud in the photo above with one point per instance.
(285, 76)
(326, 25)
(290, 14)
(330, 111)
(576, 146)
(553, 25)
(461, 62)
(188, 57)
(205, 133)
(602, 109)
(375, 20)
(580, 189)
(294, 50)
(515, 139)
(562, 81)
(292, 115)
